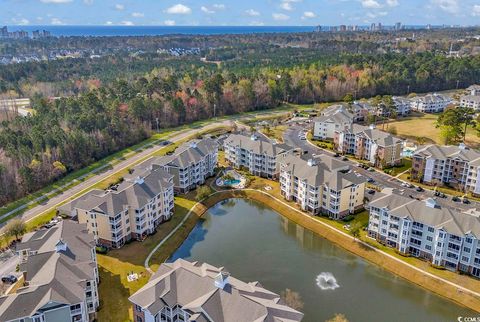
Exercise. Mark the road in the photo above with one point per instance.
(8, 265)
(53, 202)
(382, 180)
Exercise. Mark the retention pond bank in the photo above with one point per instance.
(255, 243)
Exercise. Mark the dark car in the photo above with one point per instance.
(9, 279)
(345, 159)
(456, 199)
(466, 201)
(336, 155)
(370, 180)
(419, 189)
(371, 192)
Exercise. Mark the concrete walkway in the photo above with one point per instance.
(399, 261)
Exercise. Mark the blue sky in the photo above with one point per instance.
(236, 12)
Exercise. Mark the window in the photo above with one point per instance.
(431, 229)
(139, 319)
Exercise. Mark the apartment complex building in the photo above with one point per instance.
(431, 103)
(381, 149)
(191, 164)
(194, 292)
(131, 210)
(446, 237)
(321, 184)
(474, 90)
(255, 153)
(456, 166)
(60, 273)
(470, 101)
(333, 118)
(403, 105)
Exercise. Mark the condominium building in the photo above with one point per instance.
(470, 101)
(333, 118)
(446, 237)
(258, 155)
(60, 273)
(431, 103)
(403, 105)
(131, 210)
(381, 149)
(194, 292)
(474, 90)
(191, 164)
(456, 166)
(321, 184)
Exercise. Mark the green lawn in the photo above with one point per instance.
(423, 125)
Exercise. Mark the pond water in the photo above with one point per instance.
(254, 243)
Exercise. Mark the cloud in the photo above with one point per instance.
(108, 23)
(309, 14)
(127, 23)
(476, 10)
(119, 7)
(219, 6)
(206, 10)
(392, 3)
(88, 2)
(56, 21)
(56, 1)
(169, 22)
(373, 15)
(138, 15)
(20, 21)
(252, 12)
(450, 6)
(372, 4)
(280, 16)
(256, 23)
(179, 9)
(286, 6)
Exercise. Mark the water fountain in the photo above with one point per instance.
(326, 281)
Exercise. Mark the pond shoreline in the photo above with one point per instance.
(419, 277)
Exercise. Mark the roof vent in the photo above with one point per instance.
(61, 246)
(221, 280)
(139, 180)
(371, 126)
(462, 146)
(193, 144)
(311, 162)
(254, 137)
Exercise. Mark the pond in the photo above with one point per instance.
(254, 243)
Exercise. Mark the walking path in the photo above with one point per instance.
(459, 287)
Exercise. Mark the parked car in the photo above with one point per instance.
(419, 189)
(456, 199)
(370, 180)
(466, 201)
(10, 279)
(371, 191)
(345, 159)
(336, 155)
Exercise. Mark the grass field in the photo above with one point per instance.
(423, 125)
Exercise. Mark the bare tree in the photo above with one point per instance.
(292, 299)
(16, 228)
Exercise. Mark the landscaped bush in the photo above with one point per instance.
(101, 250)
(348, 218)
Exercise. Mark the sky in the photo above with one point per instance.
(238, 12)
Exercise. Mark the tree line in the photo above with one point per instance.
(69, 133)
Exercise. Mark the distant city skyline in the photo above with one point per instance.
(235, 13)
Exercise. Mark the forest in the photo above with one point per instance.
(102, 110)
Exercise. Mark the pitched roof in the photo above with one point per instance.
(335, 114)
(471, 98)
(257, 146)
(192, 285)
(135, 191)
(432, 98)
(452, 221)
(53, 276)
(379, 137)
(320, 170)
(443, 152)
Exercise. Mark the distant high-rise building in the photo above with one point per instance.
(4, 32)
(343, 28)
(398, 26)
(372, 27)
(380, 27)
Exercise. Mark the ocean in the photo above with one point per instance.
(99, 31)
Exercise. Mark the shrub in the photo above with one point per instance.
(101, 250)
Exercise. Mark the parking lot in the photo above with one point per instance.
(293, 136)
